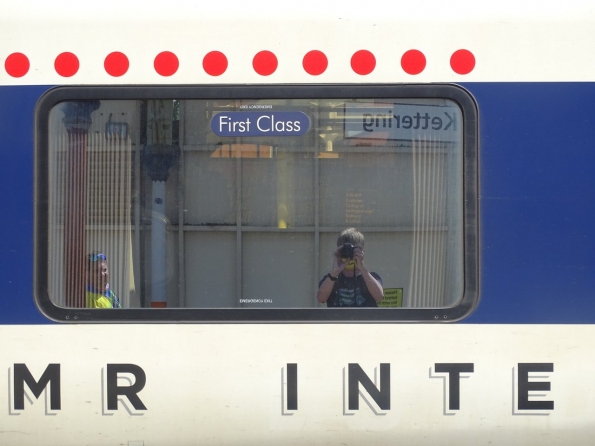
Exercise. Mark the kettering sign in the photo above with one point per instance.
(272, 123)
(402, 121)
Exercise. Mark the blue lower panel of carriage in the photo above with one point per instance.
(537, 203)
(16, 218)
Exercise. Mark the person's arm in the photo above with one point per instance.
(373, 285)
(326, 287)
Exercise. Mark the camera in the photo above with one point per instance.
(347, 251)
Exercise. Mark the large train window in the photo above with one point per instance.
(257, 203)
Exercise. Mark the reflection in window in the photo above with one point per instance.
(191, 218)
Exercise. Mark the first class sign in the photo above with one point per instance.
(260, 123)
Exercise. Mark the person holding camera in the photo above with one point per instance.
(350, 284)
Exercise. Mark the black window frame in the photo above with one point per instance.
(471, 268)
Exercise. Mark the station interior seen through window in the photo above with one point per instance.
(240, 203)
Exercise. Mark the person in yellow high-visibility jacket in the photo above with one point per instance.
(98, 293)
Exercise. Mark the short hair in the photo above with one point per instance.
(350, 235)
(94, 257)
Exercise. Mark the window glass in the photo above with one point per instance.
(238, 203)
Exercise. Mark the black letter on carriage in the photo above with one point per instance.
(454, 370)
(22, 375)
(130, 392)
(380, 396)
(525, 386)
(292, 398)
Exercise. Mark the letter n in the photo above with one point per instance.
(51, 375)
(131, 391)
(381, 396)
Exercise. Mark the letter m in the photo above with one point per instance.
(381, 396)
(22, 375)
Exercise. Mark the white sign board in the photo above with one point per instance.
(267, 384)
(403, 121)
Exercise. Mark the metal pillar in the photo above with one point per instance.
(77, 120)
(158, 159)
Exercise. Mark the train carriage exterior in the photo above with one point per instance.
(212, 153)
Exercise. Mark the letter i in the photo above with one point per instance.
(292, 397)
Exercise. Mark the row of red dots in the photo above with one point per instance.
(264, 63)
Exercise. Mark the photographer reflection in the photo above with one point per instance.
(350, 284)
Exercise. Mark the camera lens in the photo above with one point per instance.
(347, 251)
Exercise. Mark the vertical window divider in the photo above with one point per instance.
(140, 221)
(239, 186)
(316, 179)
(181, 207)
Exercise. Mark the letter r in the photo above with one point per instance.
(130, 392)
